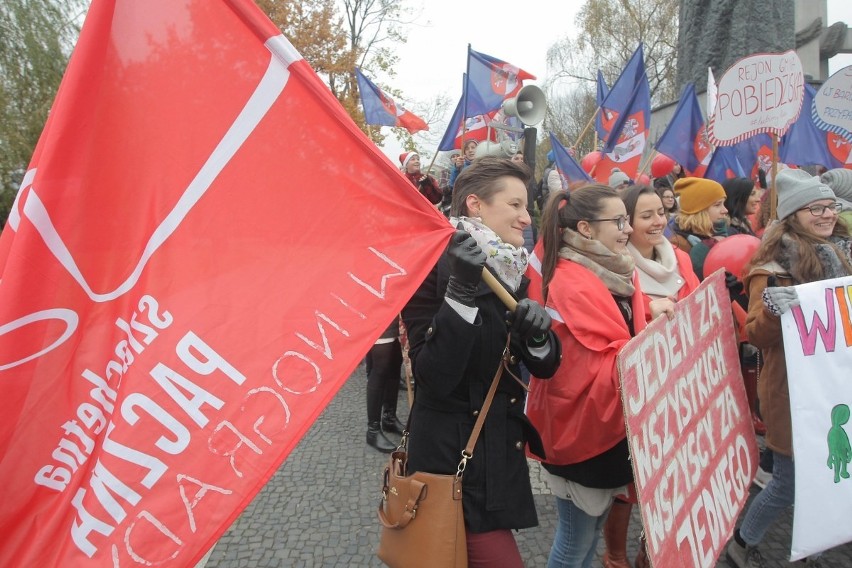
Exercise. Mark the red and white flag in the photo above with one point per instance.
(183, 288)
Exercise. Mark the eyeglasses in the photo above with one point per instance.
(620, 222)
(818, 210)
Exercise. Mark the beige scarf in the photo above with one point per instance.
(661, 277)
(615, 270)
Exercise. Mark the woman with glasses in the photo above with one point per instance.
(806, 244)
(700, 223)
(588, 284)
(667, 196)
(665, 275)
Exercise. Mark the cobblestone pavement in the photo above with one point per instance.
(319, 509)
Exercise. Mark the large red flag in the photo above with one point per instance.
(203, 249)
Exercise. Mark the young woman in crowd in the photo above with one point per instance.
(698, 224)
(590, 286)
(667, 197)
(664, 272)
(458, 330)
(742, 199)
(806, 245)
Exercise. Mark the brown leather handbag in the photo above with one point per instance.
(421, 514)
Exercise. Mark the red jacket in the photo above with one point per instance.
(426, 185)
(578, 412)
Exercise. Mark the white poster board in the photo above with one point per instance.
(818, 350)
(832, 108)
(759, 93)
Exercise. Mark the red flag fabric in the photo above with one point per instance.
(203, 249)
(627, 153)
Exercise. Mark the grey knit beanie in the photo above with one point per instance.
(840, 181)
(796, 188)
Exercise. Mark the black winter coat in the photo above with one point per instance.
(454, 363)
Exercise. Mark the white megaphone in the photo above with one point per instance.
(528, 105)
(506, 148)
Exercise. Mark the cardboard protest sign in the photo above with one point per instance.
(691, 438)
(818, 350)
(204, 247)
(832, 107)
(759, 93)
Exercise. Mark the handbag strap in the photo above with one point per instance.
(467, 452)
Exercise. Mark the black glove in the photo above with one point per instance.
(530, 322)
(735, 287)
(466, 260)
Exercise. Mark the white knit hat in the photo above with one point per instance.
(797, 188)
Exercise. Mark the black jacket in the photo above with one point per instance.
(454, 363)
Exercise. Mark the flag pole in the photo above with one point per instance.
(773, 195)
(586, 129)
(648, 161)
(499, 290)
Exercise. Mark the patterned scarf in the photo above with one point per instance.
(507, 261)
(828, 256)
(615, 270)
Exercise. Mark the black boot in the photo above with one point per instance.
(390, 423)
(376, 439)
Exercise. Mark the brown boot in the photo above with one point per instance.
(615, 535)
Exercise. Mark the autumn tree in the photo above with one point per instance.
(36, 40)
(608, 32)
(567, 117)
(335, 37)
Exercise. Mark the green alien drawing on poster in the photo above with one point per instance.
(839, 449)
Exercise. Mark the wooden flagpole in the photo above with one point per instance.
(647, 163)
(773, 196)
(586, 129)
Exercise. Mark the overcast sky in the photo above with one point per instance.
(520, 32)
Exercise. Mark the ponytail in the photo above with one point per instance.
(584, 203)
(551, 237)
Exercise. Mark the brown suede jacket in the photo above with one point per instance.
(764, 332)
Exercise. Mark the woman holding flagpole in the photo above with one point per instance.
(806, 244)
(589, 283)
(458, 329)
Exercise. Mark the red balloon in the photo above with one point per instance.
(643, 180)
(662, 165)
(731, 253)
(589, 160)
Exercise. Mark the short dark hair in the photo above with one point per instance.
(480, 179)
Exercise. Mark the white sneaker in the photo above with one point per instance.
(762, 478)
